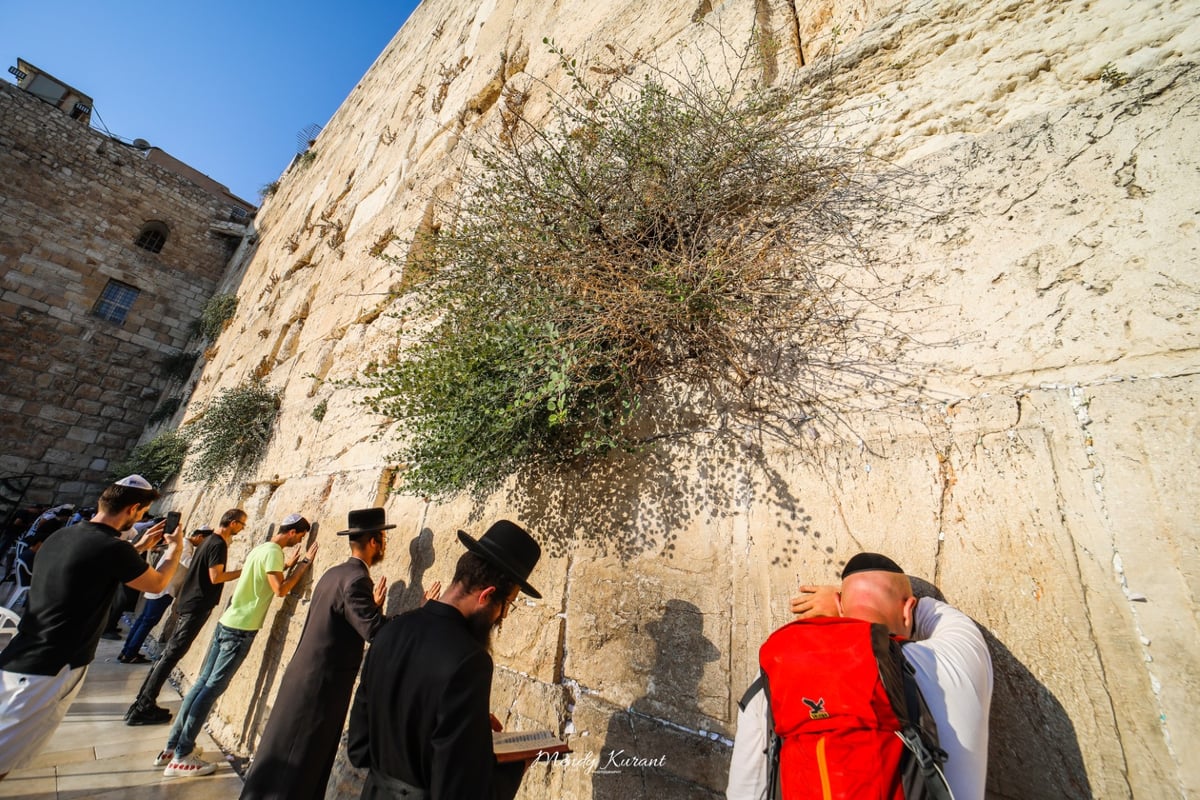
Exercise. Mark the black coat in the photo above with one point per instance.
(298, 747)
(421, 710)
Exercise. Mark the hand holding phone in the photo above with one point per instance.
(173, 531)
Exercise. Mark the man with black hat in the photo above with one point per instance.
(346, 610)
(949, 657)
(420, 720)
(77, 572)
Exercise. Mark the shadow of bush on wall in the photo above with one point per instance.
(634, 504)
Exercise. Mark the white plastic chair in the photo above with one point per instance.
(15, 600)
(9, 620)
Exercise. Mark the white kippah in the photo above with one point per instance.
(291, 519)
(135, 482)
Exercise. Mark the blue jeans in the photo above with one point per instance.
(226, 653)
(152, 612)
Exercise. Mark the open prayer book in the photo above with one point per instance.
(520, 745)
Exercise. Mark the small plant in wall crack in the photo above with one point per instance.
(1112, 77)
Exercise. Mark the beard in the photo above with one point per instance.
(481, 626)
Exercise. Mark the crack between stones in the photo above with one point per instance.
(1079, 404)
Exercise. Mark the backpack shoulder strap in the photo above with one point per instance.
(759, 685)
(928, 755)
(774, 745)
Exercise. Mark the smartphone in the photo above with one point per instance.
(172, 523)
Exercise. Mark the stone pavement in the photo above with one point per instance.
(95, 754)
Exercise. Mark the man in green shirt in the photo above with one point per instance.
(262, 578)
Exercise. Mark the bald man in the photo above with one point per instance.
(948, 654)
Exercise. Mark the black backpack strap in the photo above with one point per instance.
(929, 759)
(774, 745)
(760, 683)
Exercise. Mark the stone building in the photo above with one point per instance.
(1040, 468)
(108, 253)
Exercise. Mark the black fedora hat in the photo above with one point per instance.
(508, 546)
(365, 520)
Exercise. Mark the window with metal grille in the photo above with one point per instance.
(152, 237)
(115, 302)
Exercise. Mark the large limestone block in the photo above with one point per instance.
(1060, 246)
(1145, 436)
(619, 754)
(1004, 508)
(649, 636)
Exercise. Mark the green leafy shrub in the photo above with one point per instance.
(179, 365)
(668, 232)
(219, 309)
(268, 190)
(318, 412)
(156, 460)
(232, 433)
(166, 409)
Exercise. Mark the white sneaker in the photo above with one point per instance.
(166, 756)
(191, 764)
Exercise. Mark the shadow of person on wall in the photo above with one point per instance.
(407, 595)
(1033, 750)
(1032, 747)
(640, 756)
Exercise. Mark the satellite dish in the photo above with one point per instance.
(141, 144)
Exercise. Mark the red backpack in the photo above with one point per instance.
(847, 719)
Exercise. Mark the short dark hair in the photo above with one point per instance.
(361, 539)
(474, 573)
(301, 526)
(117, 498)
(231, 516)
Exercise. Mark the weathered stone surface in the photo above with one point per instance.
(70, 217)
(1036, 462)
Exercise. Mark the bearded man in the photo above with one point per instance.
(298, 747)
(420, 721)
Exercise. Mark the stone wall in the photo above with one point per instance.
(1037, 467)
(76, 390)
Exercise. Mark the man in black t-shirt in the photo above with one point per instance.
(75, 577)
(199, 595)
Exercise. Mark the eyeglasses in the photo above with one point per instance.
(507, 607)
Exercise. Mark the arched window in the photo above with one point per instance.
(152, 237)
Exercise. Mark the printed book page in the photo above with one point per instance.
(521, 745)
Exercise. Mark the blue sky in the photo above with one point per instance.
(221, 85)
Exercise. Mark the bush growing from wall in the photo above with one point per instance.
(156, 460)
(165, 410)
(665, 233)
(232, 433)
(179, 365)
(219, 309)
